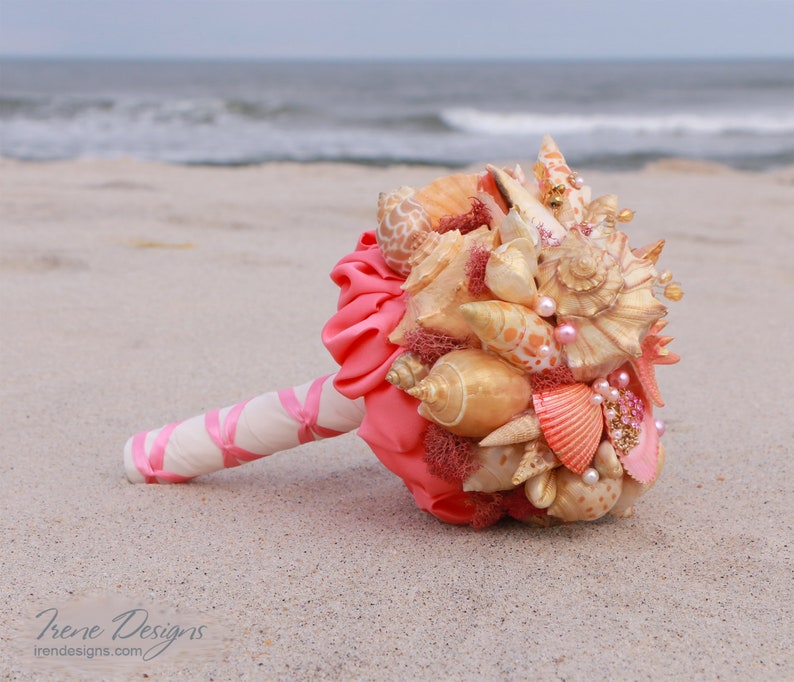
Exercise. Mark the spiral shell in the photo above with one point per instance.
(510, 272)
(571, 424)
(470, 392)
(515, 332)
(400, 231)
(407, 371)
(579, 501)
(537, 458)
(497, 465)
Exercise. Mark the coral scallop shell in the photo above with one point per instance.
(571, 425)
(470, 392)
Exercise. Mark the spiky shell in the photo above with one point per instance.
(579, 501)
(614, 314)
(537, 458)
(571, 424)
(448, 196)
(470, 392)
(436, 304)
(515, 332)
(400, 231)
(510, 272)
(407, 371)
(520, 429)
(497, 465)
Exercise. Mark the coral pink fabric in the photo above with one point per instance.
(371, 303)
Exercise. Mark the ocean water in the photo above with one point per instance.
(603, 114)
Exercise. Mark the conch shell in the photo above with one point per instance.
(576, 500)
(438, 284)
(607, 297)
(407, 371)
(402, 228)
(470, 392)
(510, 272)
(497, 465)
(572, 425)
(516, 333)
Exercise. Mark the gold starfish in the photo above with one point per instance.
(653, 353)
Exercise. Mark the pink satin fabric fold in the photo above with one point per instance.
(371, 303)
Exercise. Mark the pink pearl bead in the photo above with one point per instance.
(601, 386)
(545, 306)
(565, 333)
(661, 427)
(619, 379)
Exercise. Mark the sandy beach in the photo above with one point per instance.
(133, 294)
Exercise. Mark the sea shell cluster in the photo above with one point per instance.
(552, 380)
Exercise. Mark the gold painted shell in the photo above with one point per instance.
(434, 302)
(537, 458)
(571, 424)
(520, 429)
(448, 196)
(400, 231)
(497, 465)
(607, 297)
(579, 501)
(516, 333)
(470, 392)
(407, 371)
(510, 272)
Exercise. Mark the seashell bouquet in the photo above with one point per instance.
(529, 338)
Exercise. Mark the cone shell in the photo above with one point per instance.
(571, 425)
(578, 501)
(400, 231)
(407, 371)
(510, 272)
(470, 392)
(434, 302)
(448, 196)
(497, 465)
(557, 172)
(515, 332)
(520, 429)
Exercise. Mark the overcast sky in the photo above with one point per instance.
(386, 29)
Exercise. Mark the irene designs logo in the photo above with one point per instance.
(87, 631)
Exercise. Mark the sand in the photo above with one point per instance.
(134, 294)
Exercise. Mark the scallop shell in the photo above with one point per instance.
(520, 429)
(556, 172)
(448, 196)
(641, 461)
(510, 272)
(435, 301)
(400, 231)
(516, 333)
(537, 458)
(407, 371)
(571, 425)
(614, 314)
(578, 501)
(529, 207)
(541, 490)
(633, 489)
(470, 392)
(497, 465)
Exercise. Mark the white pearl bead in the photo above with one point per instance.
(590, 476)
(610, 415)
(544, 351)
(601, 386)
(614, 394)
(596, 399)
(617, 434)
(545, 306)
(661, 427)
(622, 379)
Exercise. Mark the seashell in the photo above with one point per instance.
(448, 196)
(650, 252)
(606, 461)
(515, 227)
(633, 489)
(407, 371)
(582, 279)
(516, 333)
(388, 200)
(571, 424)
(510, 272)
(434, 303)
(556, 173)
(578, 501)
(614, 314)
(641, 461)
(434, 254)
(497, 465)
(520, 429)
(400, 231)
(528, 206)
(470, 392)
(537, 458)
(541, 490)
(601, 209)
